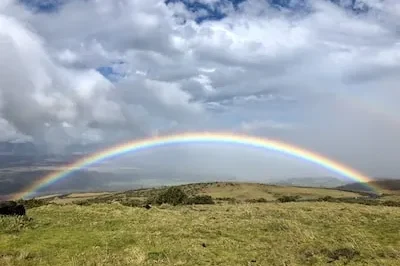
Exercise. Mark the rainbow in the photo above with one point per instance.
(229, 138)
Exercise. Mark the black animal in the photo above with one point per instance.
(12, 208)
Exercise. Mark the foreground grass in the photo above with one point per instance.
(245, 234)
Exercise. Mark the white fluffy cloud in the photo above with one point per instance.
(320, 76)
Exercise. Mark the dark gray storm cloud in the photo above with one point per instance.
(325, 79)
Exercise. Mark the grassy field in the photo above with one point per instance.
(271, 233)
(238, 191)
(244, 191)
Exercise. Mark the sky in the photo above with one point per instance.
(320, 74)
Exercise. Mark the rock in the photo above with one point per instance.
(12, 208)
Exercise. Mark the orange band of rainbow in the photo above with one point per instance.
(229, 138)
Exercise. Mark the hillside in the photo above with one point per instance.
(390, 185)
(327, 182)
(220, 191)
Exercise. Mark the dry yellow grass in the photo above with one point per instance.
(243, 191)
(87, 194)
(48, 196)
(68, 200)
(60, 199)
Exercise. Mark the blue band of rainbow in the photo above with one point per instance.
(229, 138)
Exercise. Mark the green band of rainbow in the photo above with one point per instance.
(194, 138)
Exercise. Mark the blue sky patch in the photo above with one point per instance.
(212, 11)
(43, 5)
(109, 73)
(215, 11)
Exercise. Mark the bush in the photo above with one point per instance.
(326, 198)
(229, 200)
(12, 208)
(33, 203)
(256, 200)
(391, 203)
(132, 203)
(83, 202)
(200, 199)
(172, 195)
(288, 198)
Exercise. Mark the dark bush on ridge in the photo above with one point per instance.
(200, 199)
(229, 200)
(326, 198)
(33, 203)
(256, 200)
(132, 203)
(176, 196)
(288, 198)
(83, 203)
(173, 196)
(391, 203)
(12, 208)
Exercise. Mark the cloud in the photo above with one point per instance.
(254, 126)
(320, 74)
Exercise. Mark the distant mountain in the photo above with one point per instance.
(81, 149)
(387, 184)
(30, 149)
(17, 148)
(18, 153)
(328, 182)
(13, 180)
(25, 154)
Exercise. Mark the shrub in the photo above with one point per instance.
(326, 198)
(83, 202)
(229, 200)
(200, 199)
(33, 203)
(172, 195)
(12, 208)
(288, 198)
(391, 203)
(256, 200)
(132, 203)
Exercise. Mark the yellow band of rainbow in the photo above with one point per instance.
(228, 138)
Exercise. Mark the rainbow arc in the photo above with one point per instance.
(234, 139)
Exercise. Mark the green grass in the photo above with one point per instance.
(105, 232)
(244, 234)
